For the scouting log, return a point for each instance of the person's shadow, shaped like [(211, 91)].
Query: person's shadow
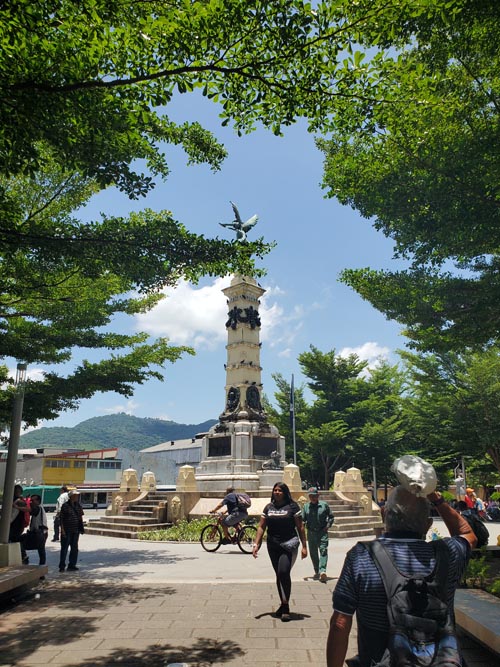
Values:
[(294, 616)]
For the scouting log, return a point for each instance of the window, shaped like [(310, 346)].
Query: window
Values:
[(110, 465), (79, 464), (50, 463), (92, 464)]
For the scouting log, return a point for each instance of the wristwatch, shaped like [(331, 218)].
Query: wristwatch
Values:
[(438, 502)]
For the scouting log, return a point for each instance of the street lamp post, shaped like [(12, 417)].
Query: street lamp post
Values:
[(10, 554)]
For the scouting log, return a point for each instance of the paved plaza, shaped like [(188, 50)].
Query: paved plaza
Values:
[(142, 604)]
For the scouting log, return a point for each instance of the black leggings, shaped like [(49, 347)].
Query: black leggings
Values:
[(282, 562)]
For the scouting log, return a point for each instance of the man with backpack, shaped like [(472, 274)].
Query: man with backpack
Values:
[(402, 619), (237, 510)]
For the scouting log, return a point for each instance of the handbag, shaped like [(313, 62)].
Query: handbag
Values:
[(33, 539), (291, 544)]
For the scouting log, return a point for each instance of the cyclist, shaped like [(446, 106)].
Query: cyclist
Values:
[(235, 513)]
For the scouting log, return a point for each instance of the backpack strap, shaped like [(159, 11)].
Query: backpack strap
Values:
[(390, 575)]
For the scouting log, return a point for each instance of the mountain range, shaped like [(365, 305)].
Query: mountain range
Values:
[(117, 430)]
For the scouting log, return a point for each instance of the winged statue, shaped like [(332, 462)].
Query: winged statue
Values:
[(241, 228)]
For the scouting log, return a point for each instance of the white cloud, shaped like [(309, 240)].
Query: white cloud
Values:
[(128, 407), (195, 316), (189, 315), (370, 352), (35, 374)]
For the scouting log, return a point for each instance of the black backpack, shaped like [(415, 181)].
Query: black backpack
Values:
[(421, 627), (480, 530)]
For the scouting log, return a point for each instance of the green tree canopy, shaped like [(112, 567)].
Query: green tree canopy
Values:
[(422, 163), (356, 414), (454, 404)]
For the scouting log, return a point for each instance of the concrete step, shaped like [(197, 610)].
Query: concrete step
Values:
[(343, 520), (136, 513), (122, 530), (144, 506), (14, 577), (133, 520), (344, 531), (129, 525)]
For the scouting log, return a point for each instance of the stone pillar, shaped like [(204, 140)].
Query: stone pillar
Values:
[(148, 482), (186, 480), (129, 481), (338, 481), (291, 477)]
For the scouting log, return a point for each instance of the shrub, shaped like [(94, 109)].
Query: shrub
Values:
[(184, 531), (476, 572)]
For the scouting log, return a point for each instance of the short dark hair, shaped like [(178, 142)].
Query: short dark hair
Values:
[(64, 488), (35, 495), (230, 489), (461, 505)]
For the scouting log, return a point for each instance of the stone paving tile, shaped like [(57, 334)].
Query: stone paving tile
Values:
[(284, 656), (73, 658)]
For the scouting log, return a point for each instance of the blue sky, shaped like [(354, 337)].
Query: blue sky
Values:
[(279, 179)]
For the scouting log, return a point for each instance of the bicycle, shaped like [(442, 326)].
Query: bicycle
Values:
[(211, 536)]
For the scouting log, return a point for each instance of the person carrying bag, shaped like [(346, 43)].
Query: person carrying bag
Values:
[(36, 535)]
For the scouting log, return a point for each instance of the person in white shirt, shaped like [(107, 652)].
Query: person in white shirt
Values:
[(63, 498)]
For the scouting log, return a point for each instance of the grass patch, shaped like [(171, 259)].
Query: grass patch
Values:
[(184, 531)]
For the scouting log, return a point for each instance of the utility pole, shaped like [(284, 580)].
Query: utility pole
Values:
[(10, 554), (375, 494)]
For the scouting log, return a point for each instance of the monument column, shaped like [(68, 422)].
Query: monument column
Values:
[(235, 451)]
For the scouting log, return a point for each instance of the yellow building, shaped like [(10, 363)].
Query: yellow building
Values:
[(74, 469)]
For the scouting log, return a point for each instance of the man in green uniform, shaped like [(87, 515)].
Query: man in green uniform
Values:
[(318, 517)]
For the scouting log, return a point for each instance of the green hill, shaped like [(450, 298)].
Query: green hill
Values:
[(119, 430)]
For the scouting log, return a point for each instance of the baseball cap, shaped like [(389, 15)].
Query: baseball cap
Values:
[(313, 491)]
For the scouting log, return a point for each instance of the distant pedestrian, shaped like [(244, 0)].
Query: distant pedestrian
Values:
[(285, 531), (63, 498), (317, 517), (469, 498), (19, 511), (71, 529), (36, 536)]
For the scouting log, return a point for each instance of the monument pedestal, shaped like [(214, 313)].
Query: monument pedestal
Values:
[(233, 455), (268, 478)]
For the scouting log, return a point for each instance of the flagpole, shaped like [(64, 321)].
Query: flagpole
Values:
[(292, 420)]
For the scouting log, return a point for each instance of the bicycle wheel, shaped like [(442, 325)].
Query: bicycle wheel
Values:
[(211, 537), (246, 539)]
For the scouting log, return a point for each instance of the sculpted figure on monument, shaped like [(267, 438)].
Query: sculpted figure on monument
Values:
[(241, 228), (274, 463), (233, 398), (253, 398)]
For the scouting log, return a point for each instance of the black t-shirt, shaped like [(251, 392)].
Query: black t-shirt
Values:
[(280, 521)]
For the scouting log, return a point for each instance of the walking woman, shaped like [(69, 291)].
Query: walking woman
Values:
[(285, 531)]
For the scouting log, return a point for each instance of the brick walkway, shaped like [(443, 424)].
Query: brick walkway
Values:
[(105, 625), (138, 626)]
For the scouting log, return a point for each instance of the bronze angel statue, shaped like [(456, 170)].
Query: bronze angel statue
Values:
[(241, 228)]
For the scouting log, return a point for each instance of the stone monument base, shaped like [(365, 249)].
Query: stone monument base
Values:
[(221, 481), (268, 478)]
